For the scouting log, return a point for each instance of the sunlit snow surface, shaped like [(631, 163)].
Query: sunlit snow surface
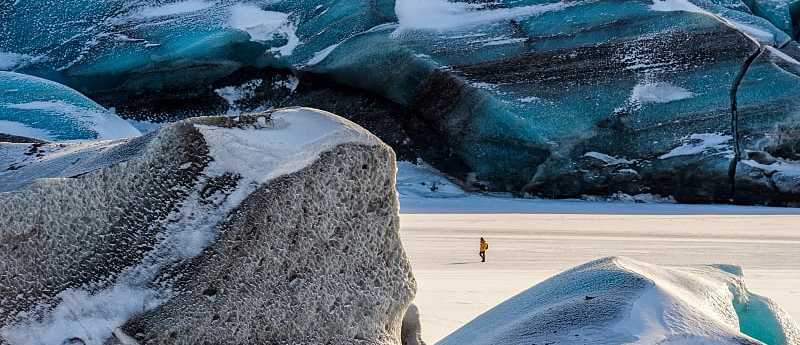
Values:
[(623, 301)]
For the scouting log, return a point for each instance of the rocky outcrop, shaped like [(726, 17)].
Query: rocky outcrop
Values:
[(276, 227)]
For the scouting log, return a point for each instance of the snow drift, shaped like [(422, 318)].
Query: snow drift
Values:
[(272, 228), (623, 301)]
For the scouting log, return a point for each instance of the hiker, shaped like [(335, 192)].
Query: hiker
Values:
[(483, 249)]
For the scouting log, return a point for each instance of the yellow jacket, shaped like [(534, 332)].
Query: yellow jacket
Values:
[(484, 246)]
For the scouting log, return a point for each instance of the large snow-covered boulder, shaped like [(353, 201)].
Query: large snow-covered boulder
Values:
[(623, 301), (270, 228)]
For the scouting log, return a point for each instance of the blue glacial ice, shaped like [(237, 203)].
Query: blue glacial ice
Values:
[(523, 90), (41, 109), (135, 45), (520, 90), (623, 301)]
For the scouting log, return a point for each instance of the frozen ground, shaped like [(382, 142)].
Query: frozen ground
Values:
[(531, 240)]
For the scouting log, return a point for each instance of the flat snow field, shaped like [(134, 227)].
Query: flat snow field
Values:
[(454, 287)]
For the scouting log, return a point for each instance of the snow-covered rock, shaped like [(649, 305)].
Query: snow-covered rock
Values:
[(275, 228), (623, 301)]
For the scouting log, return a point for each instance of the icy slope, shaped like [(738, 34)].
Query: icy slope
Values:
[(212, 229), (623, 301), (42, 109)]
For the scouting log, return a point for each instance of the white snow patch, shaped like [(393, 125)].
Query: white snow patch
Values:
[(641, 204), (698, 143), (778, 166), (628, 171), (503, 41), (294, 139), (10, 61), (697, 302), (445, 15), (321, 55), (530, 99), (646, 320), (784, 175), (172, 9), (145, 126), (782, 55), (233, 94), (658, 92), (676, 5), (609, 160), (759, 35), (90, 317), (20, 129), (484, 85), (422, 180), (291, 84), (264, 26), (620, 197)]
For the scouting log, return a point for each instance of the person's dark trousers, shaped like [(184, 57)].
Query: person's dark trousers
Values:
[(483, 256)]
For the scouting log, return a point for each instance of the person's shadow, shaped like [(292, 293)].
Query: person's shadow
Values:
[(464, 263)]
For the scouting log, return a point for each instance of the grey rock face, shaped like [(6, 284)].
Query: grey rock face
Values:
[(172, 238)]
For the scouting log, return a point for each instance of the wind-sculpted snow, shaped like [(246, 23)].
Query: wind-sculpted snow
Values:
[(518, 91), (623, 301), (42, 109), (273, 228)]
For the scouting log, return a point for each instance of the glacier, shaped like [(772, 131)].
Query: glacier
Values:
[(507, 96), (618, 300)]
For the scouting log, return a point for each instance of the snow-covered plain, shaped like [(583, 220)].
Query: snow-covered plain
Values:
[(532, 240)]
